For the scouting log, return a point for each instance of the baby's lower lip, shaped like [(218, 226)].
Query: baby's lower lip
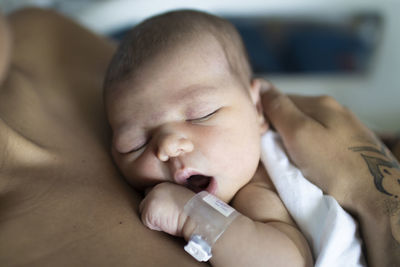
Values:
[(212, 186)]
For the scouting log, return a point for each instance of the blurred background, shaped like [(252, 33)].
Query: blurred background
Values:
[(344, 48)]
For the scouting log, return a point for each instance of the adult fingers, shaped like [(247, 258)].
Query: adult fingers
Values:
[(282, 112), (322, 109)]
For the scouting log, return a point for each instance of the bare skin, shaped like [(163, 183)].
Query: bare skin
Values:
[(347, 161), (63, 201)]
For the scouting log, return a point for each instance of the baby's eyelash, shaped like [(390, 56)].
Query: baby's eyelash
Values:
[(136, 149), (205, 117)]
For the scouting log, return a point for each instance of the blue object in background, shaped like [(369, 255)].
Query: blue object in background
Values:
[(324, 50), (303, 47), (299, 47), (263, 56)]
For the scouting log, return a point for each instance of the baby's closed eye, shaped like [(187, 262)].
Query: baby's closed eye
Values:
[(125, 145), (204, 117), (139, 146)]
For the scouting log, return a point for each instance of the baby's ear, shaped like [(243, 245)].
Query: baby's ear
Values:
[(255, 88)]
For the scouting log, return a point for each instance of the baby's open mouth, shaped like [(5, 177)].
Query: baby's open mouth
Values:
[(198, 182)]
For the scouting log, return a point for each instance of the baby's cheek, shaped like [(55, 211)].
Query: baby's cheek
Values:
[(230, 150), (215, 142), (141, 171)]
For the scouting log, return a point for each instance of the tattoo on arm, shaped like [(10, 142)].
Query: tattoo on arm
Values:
[(385, 170), (381, 165)]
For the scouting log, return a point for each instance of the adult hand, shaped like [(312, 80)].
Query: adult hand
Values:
[(331, 146), (335, 151)]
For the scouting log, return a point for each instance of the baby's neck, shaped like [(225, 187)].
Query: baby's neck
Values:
[(261, 177)]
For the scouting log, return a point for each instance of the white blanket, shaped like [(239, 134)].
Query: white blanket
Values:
[(330, 231)]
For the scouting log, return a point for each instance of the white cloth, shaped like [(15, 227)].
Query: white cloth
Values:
[(330, 231)]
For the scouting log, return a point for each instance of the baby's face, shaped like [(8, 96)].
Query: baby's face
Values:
[(183, 118)]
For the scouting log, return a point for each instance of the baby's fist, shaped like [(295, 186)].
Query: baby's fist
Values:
[(162, 208)]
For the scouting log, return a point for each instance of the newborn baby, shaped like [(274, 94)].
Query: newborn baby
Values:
[(186, 116)]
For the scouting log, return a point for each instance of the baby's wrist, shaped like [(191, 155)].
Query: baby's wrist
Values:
[(207, 219), (188, 228)]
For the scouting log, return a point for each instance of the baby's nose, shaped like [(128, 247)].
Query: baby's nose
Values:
[(173, 145)]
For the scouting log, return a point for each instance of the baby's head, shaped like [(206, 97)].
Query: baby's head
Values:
[(182, 105)]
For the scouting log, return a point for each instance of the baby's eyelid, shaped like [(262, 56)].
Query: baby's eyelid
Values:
[(205, 117), (138, 148)]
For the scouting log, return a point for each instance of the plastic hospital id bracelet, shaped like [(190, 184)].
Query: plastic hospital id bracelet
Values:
[(212, 217)]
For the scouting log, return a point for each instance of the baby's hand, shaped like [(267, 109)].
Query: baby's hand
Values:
[(162, 208)]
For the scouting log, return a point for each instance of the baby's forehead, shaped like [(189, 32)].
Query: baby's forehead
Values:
[(154, 96), (192, 70), (149, 97)]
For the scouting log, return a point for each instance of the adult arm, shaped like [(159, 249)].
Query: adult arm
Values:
[(391, 141), (339, 154)]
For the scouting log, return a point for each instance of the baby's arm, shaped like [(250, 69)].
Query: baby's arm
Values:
[(266, 229), (263, 234)]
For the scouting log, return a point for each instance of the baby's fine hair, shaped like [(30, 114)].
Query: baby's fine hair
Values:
[(156, 34)]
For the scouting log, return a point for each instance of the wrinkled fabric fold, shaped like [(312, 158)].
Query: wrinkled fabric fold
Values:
[(331, 232)]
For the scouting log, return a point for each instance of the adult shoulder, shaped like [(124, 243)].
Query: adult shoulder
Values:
[(62, 199)]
